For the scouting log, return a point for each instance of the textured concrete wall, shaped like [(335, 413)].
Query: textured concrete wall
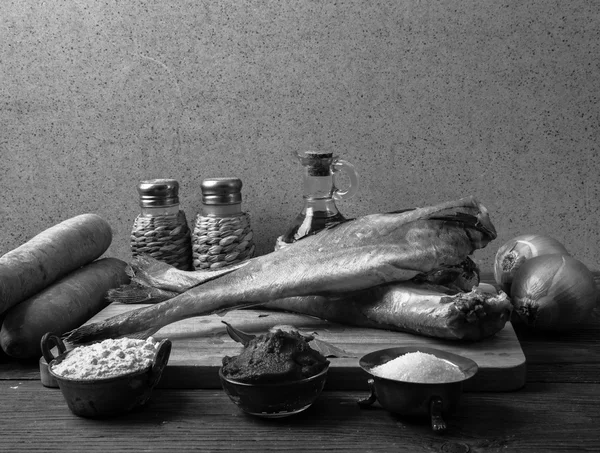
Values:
[(431, 100)]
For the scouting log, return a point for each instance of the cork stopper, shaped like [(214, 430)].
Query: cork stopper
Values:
[(318, 163), (158, 193), (221, 191)]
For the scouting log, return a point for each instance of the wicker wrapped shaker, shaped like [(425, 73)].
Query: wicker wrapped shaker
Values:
[(222, 234), (161, 230)]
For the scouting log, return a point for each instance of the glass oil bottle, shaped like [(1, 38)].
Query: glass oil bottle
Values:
[(319, 193)]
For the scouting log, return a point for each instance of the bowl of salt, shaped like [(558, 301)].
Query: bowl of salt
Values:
[(417, 382)]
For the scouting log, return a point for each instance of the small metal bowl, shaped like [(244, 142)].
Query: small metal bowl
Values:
[(415, 399), (96, 398), (275, 400)]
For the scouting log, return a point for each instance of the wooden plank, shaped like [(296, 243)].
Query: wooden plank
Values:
[(538, 418), (200, 343)]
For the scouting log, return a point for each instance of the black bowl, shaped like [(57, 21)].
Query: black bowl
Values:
[(416, 399), (105, 397), (275, 400)]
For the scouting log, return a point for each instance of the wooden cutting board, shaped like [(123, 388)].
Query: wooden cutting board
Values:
[(200, 343)]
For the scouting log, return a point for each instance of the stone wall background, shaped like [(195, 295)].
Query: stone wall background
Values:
[(429, 100)]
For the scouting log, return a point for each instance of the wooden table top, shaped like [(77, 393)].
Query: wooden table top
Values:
[(557, 410)]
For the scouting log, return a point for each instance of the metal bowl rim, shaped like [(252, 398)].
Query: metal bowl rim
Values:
[(398, 351)]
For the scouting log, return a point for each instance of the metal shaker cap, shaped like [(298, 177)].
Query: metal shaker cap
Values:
[(158, 193), (221, 191)]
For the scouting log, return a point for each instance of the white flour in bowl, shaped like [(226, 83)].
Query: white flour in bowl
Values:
[(108, 358), (419, 367)]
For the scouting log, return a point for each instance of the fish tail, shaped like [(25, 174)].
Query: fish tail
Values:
[(94, 332), (145, 321), (139, 323), (139, 294)]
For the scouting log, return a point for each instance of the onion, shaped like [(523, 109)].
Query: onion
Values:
[(515, 252), (553, 292)]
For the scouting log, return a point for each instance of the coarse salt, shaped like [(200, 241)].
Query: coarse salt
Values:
[(419, 367), (108, 358)]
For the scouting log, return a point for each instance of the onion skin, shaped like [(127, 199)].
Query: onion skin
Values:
[(511, 256), (553, 292)]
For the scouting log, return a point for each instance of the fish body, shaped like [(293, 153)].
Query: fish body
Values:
[(423, 309), (362, 253)]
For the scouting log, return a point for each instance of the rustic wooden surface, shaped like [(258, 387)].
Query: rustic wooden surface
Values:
[(558, 410), (199, 345)]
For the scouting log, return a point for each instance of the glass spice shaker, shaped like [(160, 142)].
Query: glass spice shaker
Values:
[(222, 235), (161, 230), (320, 193)]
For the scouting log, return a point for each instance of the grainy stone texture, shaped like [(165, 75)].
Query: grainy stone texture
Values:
[(430, 100)]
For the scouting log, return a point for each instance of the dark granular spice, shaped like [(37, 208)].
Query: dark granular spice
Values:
[(275, 357)]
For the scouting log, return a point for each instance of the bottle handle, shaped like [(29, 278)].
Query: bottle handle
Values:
[(343, 166)]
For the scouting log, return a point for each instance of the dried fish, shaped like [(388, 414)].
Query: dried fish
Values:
[(358, 254)]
